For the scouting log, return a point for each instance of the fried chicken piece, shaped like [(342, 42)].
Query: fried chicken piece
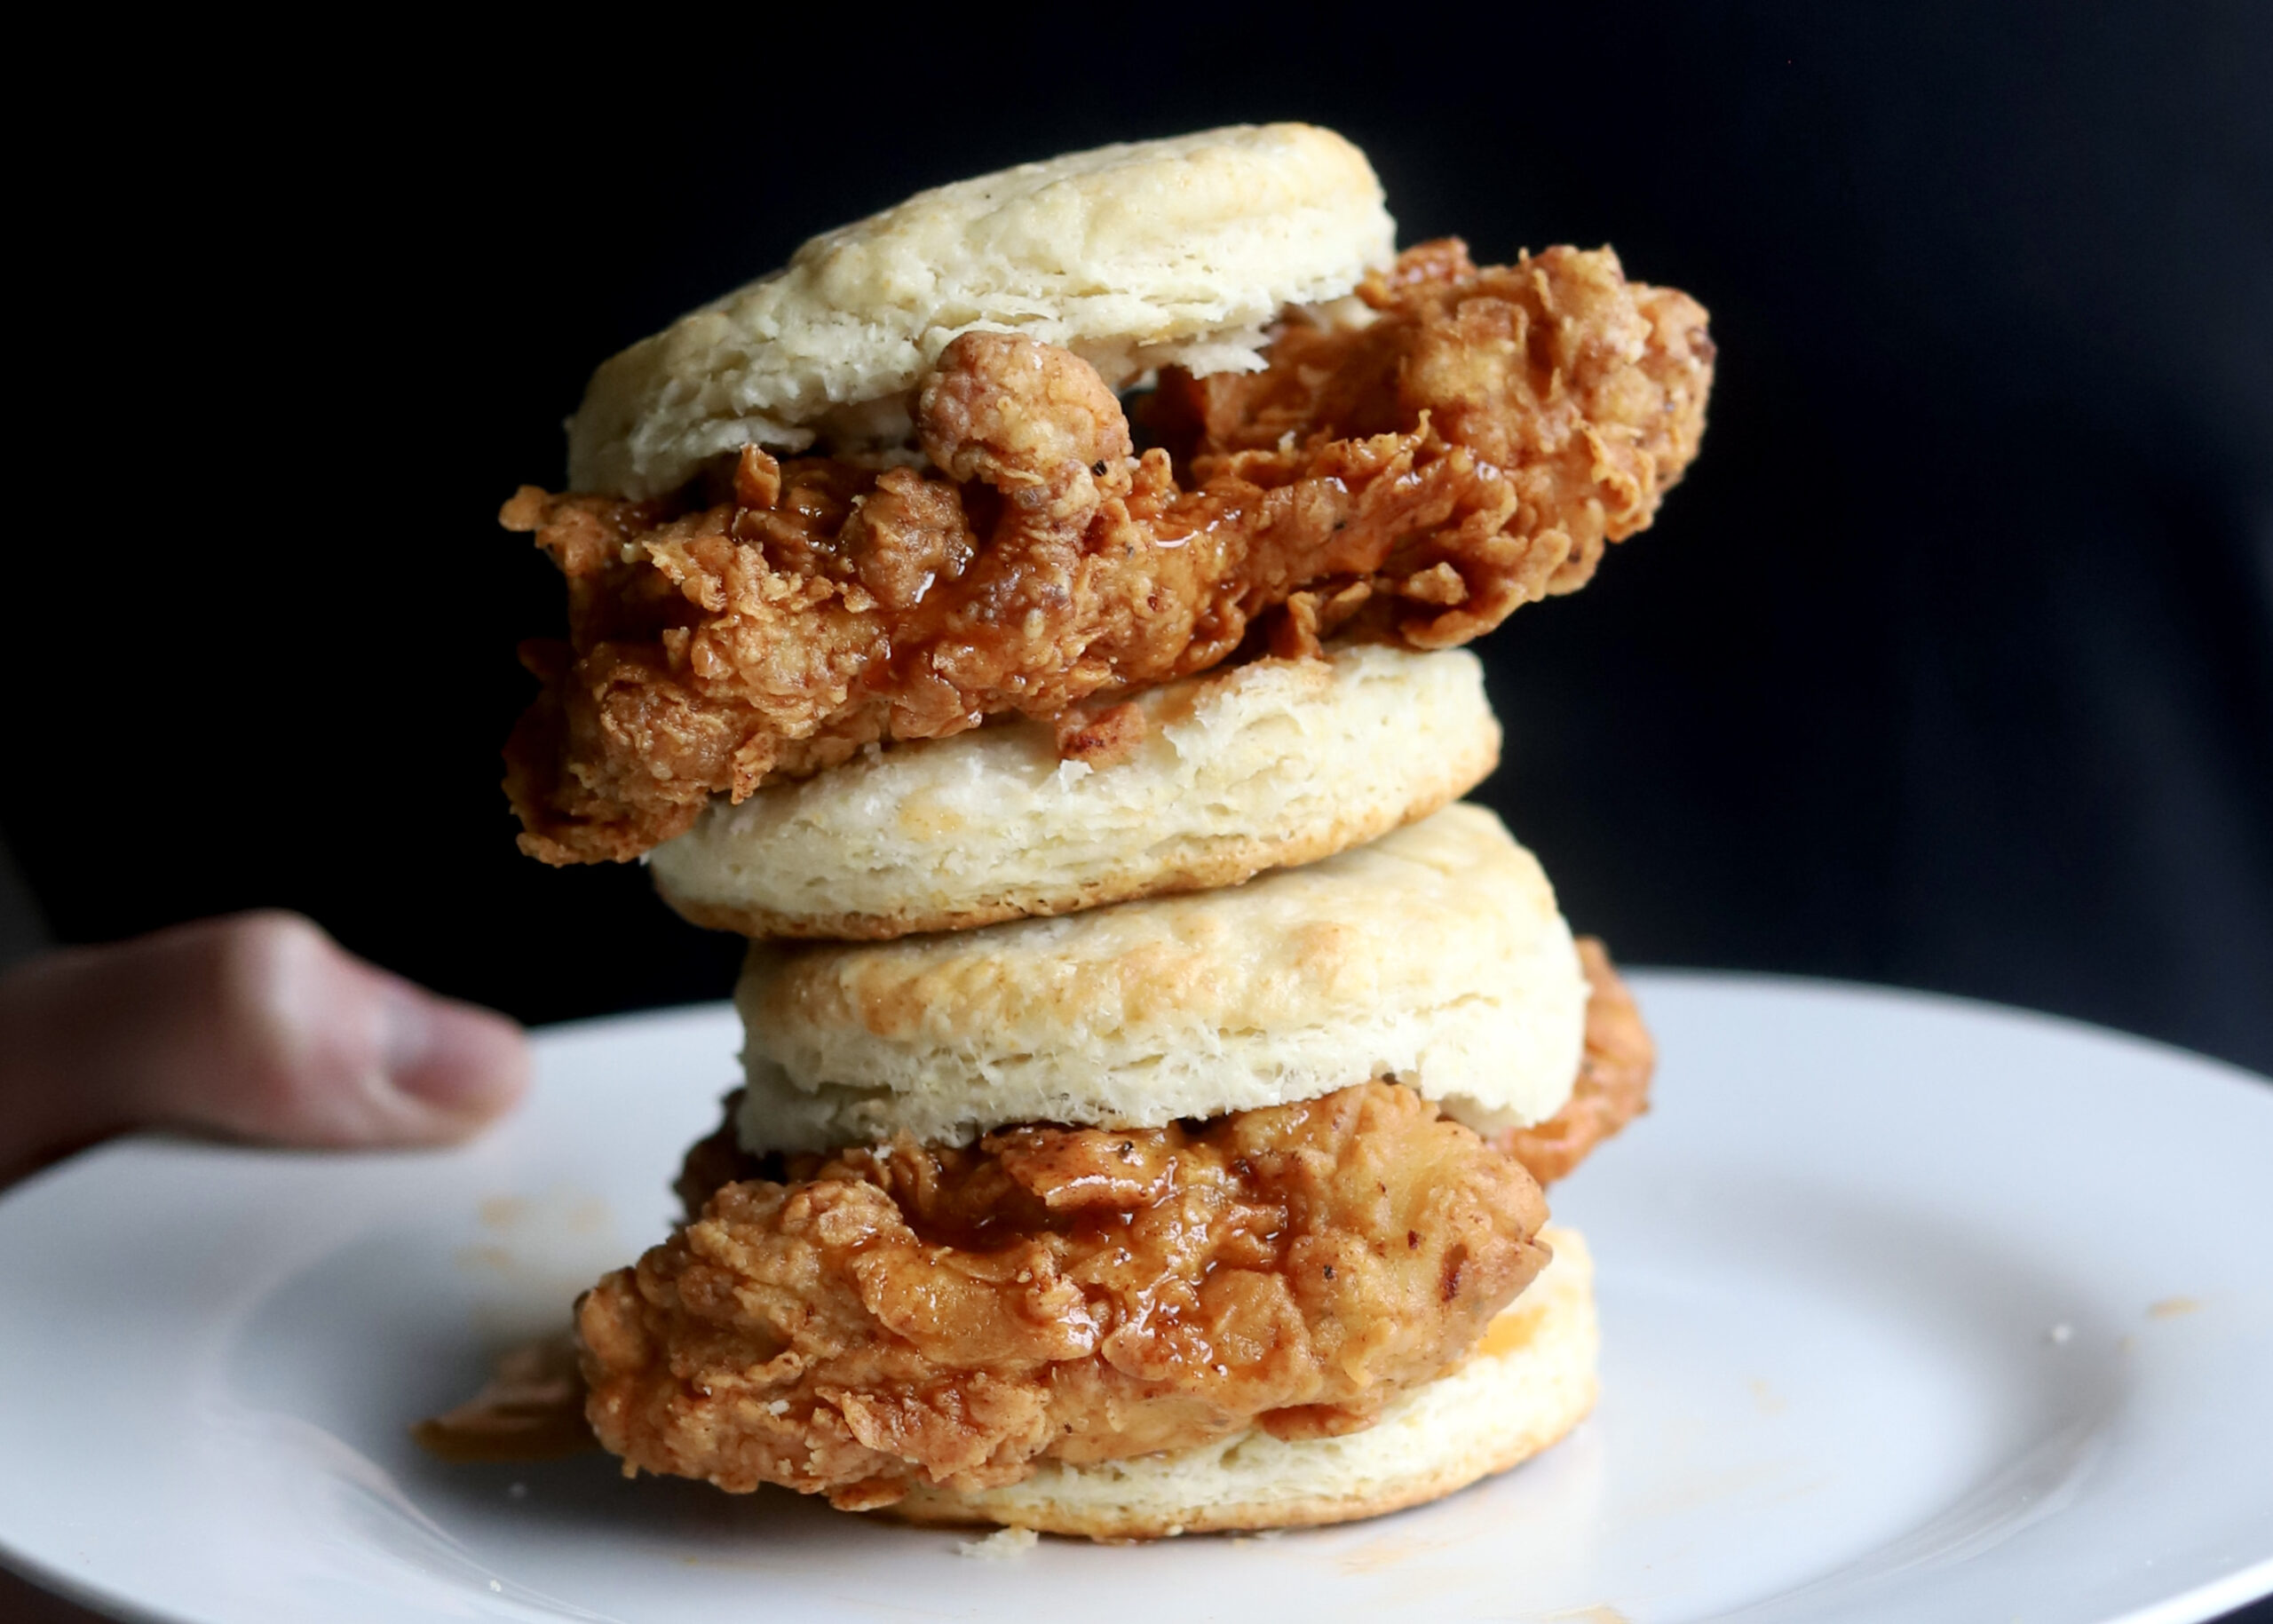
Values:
[(899, 1315), (1468, 445), (1613, 1083)]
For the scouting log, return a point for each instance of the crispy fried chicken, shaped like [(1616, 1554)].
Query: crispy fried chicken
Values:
[(899, 1315), (1462, 442)]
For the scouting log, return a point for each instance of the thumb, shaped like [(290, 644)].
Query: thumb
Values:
[(258, 1027)]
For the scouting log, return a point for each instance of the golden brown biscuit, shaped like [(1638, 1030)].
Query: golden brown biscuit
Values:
[(1434, 955), (1155, 253)]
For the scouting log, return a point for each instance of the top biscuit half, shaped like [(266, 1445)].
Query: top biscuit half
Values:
[(1435, 956), (1133, 257)]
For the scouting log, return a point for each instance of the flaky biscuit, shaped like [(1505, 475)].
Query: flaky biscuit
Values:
[(1529, 1383), (1133, 257), (1266, 764), (1434, 955)]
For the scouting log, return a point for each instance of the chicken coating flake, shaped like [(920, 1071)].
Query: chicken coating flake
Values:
[(1463, 442), (897, 1315)]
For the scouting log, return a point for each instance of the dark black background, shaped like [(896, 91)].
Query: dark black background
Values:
[(1951, 665)]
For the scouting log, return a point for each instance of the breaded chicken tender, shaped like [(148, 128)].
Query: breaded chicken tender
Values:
[(901, 1315), (1455, 444)]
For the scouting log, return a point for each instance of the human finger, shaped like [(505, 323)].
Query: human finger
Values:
[(257, 1026)]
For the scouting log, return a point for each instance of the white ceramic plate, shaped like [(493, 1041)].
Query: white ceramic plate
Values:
[(1911, 1310)]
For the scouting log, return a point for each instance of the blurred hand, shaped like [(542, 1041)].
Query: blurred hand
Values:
[(257, 1026)]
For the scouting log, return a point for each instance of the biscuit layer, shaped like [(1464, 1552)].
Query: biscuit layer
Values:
[(1434, 955), (1133, 257), (1261, 766)]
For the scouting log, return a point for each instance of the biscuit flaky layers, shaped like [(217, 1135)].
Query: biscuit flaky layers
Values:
[(1434, 955), (1134, 257), (1271, 763), (1529, 1381)]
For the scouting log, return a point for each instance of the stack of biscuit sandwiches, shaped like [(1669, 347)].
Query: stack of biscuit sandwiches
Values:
[(1032, 617)]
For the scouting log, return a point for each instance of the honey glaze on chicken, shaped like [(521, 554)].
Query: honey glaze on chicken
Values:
[(894, 1315), (1465, 442)]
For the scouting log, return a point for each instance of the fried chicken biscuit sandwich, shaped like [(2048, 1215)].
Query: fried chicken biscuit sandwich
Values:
[(1032, 617), (891, 495), (1190, 1213)]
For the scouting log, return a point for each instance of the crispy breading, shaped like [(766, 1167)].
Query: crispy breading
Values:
[(897, 1315), (1464, 444)]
